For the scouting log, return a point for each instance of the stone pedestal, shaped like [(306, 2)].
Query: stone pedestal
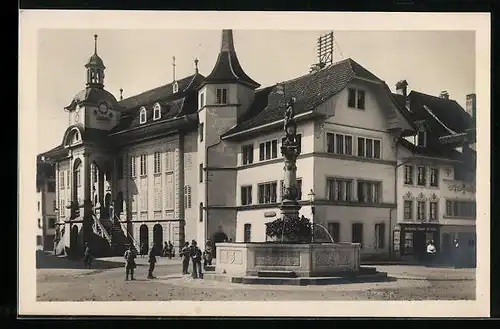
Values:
[(305, 260)]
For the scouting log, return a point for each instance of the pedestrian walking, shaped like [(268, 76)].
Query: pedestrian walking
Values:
[(87, 256), (431, 252), (185, 254), (207, 254), (165, 250), (143, 250), (171, 250), (56, 242), (152, 262), (196, 255), (130, 264)]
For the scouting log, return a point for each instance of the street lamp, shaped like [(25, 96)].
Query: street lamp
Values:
[(311, 196)]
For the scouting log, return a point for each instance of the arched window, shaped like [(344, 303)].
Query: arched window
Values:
[(142, 115), (157, 239), (157, 112), (175, 87), (143, 239)]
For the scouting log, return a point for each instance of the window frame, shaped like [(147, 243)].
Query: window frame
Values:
[(335, 232), (222, 98), (421, 212), (334, 149), (157, 162), (247, 157), (247, 227), (143, 165), (263, 155), (273, 198), (411, 174), (143, 115), (133, 166), (156, 112), (332, 190), (248, 200), (408, 203), (436, 177), (353, 238), (422, 182)]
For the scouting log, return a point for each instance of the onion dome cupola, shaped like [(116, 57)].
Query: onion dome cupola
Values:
[(95, 69), (227, 69)]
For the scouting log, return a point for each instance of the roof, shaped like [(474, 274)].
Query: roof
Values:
[(93, 95), (95, 60), (432, 150), (309, 91), (227, 69), (438, 113), (160, 93)]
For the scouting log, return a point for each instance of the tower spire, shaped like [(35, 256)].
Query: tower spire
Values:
[(95, 69), (196, 65), (95, 44)]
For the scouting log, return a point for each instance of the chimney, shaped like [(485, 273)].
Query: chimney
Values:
[(444, 94), (470, 105), (402, 88)]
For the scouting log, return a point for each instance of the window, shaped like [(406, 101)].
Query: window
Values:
[(54, 205), (133, 171), (298, 186), (298, 138), (247, 154), (61, 180), (408, 243), (38, 204), (95, 173), (156, 112), (201, 131), (351, 97), (268, 150), (200, 172), (221, 96), (267, 193), (409, 174), (334, 231), (455, 208), (119, 167), (339, 143), (68, 179), (144, 165), (357, 233), (51, 187), (380, 236), (356, 98), (38, 240), (421, 176), (408, 209), (421, 136), (369, 148), (247, 233), (434, 177), (78, 177), (369, 192), (339, 189), (433, 211), (39, 223), (157, 162), (52, 223), (142, 115), (202, 100), (420, 210), (361, 99), (246, 195), (62, 211), (187, 196)]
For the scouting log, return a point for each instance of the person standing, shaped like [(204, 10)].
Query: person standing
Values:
[(196, 259), (130, 264), (431, 252), (152, 262), (165, 250), (87, 256), (185, 254), (56, 242), (171, 252), (207, 254)]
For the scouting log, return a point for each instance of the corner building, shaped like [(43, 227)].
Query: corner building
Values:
[(201, 155)]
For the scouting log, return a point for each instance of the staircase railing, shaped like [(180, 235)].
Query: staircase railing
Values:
[(127, 233), (99, 227)]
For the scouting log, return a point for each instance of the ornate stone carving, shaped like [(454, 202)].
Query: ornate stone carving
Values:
[(421, 197), (231, 257), (336, 258), (408, 196), (281, 258), (464, 188), (433, 197)]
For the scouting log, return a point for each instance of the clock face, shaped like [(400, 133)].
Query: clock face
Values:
[(103, 108)]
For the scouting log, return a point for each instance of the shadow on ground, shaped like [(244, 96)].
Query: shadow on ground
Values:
[(45, 259)]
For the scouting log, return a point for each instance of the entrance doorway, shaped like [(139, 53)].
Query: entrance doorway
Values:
[(73, 239), (157, 239), (143, 239), (419, 245)]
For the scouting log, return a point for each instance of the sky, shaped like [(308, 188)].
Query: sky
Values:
[(139, 60)]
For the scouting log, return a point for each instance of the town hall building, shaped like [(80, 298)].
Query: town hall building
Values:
[(200, 156)]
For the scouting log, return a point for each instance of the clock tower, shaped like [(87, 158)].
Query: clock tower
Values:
[(94, 107)]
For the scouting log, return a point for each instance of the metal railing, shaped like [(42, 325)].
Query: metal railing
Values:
[(99, 227), (127, 234)]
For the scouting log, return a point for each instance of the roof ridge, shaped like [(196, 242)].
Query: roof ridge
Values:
[(441, 98)]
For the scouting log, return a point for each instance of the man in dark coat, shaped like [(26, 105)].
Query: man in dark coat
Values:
[(196, 255), (185, 254), (87, 257), (152, 262)]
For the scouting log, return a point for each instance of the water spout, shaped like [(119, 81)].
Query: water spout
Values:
[(315, 224)]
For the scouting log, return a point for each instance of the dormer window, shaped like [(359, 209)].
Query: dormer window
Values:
[(157, 112), (175, 87), (421, 138), (142, 115), (221, 94)]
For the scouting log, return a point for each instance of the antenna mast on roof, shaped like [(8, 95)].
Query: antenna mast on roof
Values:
[(325, 49)]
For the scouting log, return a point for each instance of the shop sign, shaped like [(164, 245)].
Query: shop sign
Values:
[(470, 188), (420, 228), (270, 214)]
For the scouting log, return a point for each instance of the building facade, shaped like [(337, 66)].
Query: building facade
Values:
[(46, 205), (200, 157)]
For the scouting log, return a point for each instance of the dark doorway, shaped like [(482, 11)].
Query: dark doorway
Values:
[(143, 239), (157, 239), (119, 203), (73, 239), (419, 245), (447, 244)]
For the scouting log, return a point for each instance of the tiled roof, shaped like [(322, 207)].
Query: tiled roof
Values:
[(94, 96), (309, 91), (447, 111), (432, 150), (227, 69), (148, 98)]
